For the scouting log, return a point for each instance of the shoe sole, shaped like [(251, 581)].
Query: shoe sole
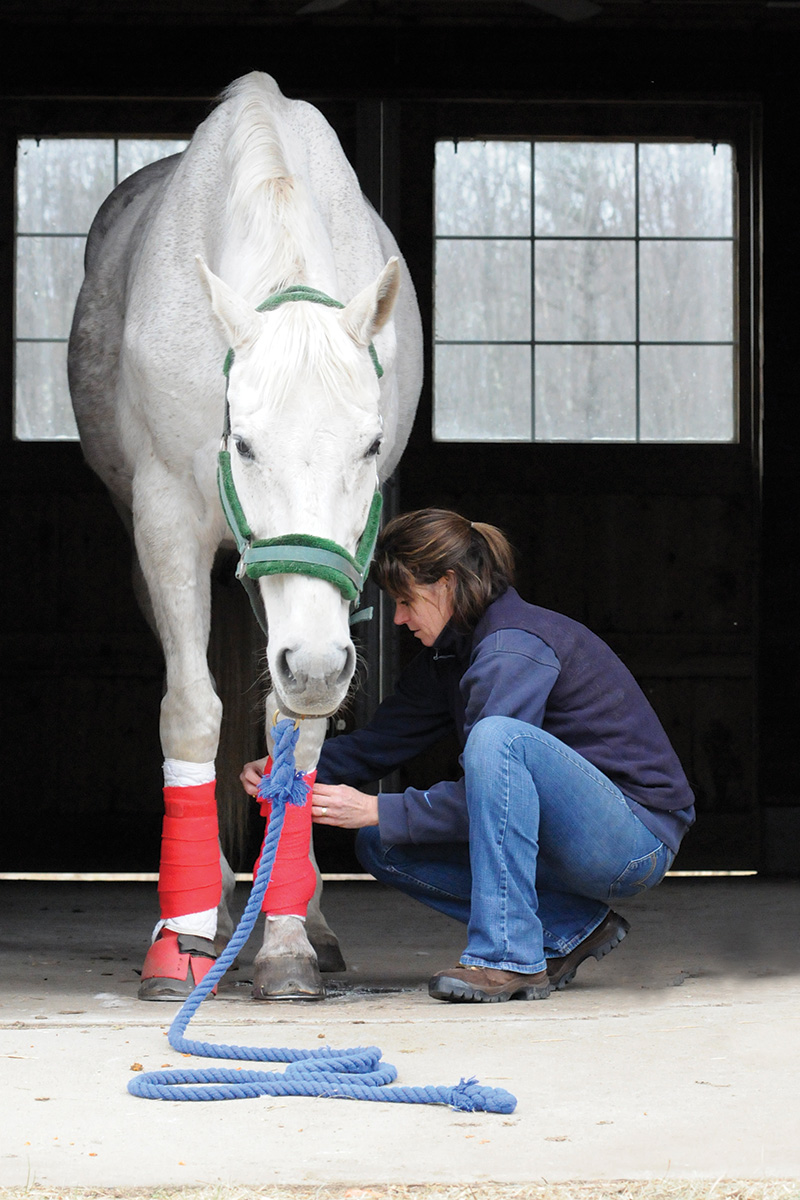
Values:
[(597, 953), (456, 990)]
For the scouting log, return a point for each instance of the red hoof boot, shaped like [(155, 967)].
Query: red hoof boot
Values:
[(175, 964)]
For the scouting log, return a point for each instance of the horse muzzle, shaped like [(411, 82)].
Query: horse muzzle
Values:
[(309, 682)]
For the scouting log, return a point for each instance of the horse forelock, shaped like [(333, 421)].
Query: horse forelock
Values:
[(303, 350), (269, 217)]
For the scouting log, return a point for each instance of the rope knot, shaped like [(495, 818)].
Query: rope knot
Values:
[(284, 783), (469, 1096), (463, 1095)]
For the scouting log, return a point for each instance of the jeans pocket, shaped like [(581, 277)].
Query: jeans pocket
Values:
[(642, 873)]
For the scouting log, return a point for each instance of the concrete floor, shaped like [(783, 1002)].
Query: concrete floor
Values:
[(677, 1056)]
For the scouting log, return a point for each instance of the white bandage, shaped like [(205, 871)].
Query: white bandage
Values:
[(200, 924), (178, 773)]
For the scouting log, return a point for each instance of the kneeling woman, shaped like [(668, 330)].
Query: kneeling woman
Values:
[(572, 796)]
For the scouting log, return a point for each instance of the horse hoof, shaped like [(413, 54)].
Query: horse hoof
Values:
[(174, 990), (174, 966), (329, 956), (287, 979)]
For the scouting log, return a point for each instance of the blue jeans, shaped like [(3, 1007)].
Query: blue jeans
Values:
[(552, 842)]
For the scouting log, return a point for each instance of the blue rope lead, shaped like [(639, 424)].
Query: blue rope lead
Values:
[(356, 1074)]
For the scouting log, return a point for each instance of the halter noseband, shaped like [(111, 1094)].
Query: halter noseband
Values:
[(294, 553)]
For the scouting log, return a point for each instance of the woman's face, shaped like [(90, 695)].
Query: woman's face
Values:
[(426, 611)]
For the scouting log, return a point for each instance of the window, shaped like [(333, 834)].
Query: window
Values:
[(61, 183), (584, 291)]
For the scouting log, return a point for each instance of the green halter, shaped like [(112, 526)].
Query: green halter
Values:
[(294, 553)]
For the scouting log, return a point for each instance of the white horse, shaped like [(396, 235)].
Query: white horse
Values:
[(265, 196)]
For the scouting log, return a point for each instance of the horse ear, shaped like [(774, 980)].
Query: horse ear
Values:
[(238, 319), (370, 310)]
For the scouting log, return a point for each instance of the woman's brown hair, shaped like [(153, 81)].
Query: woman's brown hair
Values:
[(421, 547)]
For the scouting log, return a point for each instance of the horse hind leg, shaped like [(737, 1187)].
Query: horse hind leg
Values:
[(225, 929), (319, 933)]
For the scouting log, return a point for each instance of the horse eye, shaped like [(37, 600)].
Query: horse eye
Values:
[(243, 448), (375, 448)]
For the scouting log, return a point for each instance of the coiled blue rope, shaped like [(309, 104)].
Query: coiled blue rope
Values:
[(355, 1074)]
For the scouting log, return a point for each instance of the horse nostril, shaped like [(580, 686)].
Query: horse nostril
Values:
[(282, 664), (349, 665)]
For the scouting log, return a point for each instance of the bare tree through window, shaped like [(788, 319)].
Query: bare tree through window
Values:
[(584, 291), (61, 183)]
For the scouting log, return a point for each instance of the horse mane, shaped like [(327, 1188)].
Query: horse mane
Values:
[(271, 228), (267, 209)]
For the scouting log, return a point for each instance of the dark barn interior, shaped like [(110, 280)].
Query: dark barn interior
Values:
[(682, 556)]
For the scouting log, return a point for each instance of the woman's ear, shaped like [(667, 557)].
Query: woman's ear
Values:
[(446, 592)]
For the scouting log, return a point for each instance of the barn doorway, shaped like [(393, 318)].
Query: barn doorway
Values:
[(653, 544)]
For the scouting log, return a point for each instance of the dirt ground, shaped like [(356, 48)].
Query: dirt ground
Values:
[(616, 1189)]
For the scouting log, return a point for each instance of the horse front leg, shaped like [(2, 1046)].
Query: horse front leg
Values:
[(294, 952), (286, 966), (176, 568)]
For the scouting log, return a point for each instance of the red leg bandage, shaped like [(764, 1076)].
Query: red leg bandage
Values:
[(190, 876), (293, 878)]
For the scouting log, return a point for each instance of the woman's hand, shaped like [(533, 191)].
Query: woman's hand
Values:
[(337, 804), (331, 804), (251, 775)]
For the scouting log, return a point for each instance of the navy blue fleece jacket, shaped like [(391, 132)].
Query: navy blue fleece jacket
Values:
[(538, 666)]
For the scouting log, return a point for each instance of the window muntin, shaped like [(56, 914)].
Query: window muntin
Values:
[(584, 291), (61, 183)]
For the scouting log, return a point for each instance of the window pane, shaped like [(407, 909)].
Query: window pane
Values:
[(686, 394), (585, 291), (585, 393), (585, 189), (49, 274), (42, 407), (686, 191), (686, 291), (62, 183), (483, 188), (135, 153), (483, 393), (616, 261), (483, 290)]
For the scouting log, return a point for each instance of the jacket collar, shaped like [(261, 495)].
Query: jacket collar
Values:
[(452, 644)]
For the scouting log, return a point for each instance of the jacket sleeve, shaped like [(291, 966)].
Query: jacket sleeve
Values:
[(511, 674), (413, 718)]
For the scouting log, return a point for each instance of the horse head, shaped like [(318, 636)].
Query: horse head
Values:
[(303, 436)]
